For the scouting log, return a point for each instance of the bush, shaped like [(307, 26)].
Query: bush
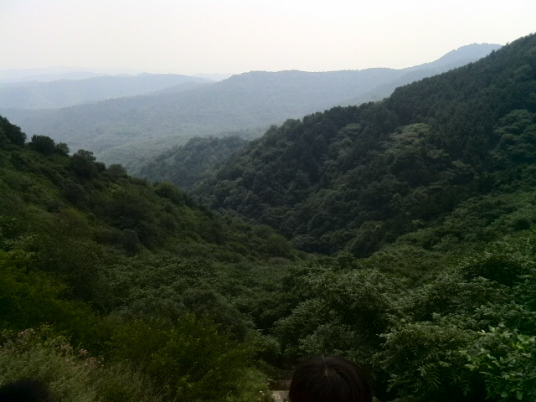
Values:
[(71, 374), (74, 192), (507, 361), (503, 268), (422, 360), (192, 361), (30, 299)]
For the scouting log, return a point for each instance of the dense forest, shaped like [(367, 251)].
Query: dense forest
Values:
[(186, 165), (120, 278), (410, 248), (355, 178)]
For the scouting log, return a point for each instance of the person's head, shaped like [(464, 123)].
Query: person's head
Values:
[(329, 378), (25, 390)]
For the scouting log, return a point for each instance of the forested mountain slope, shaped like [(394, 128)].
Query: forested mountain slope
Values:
[(106, 280), (63, 93), (112, 288), (186, 165), (250, 100), (357, 177)]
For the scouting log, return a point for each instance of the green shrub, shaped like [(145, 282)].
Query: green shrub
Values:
[(507, 361), (192, 361), (422, 360), (71, 374)]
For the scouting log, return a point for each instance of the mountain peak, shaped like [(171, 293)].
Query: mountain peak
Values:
[(473, 51)]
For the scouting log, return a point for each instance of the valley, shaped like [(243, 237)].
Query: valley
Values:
[(398, 232)]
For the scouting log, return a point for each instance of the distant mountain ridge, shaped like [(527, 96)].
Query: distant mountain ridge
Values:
[(250, 100), (65, 93), (453, 59), (48, 74)]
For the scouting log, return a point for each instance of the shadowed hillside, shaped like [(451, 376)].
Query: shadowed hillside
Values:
[(356, 177)]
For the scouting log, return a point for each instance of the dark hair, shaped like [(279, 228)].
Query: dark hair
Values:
[(329, 378), (25, 390)]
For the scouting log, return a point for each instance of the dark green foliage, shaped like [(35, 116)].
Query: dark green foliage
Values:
[(83, 164), (10, 134), (186, 165), (117, 170), (517, 133), (423, 362), (356, 178), (502, 269), (74, 192), (32, 298), (46, 145), (43, 144), (130, 241), (69, 372), (190, 361), (172, 193), (507, 361), (90, 251), (62, 148)]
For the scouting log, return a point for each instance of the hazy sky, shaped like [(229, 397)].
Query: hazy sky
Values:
[(234, 36)]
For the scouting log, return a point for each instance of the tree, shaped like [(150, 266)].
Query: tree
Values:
[(11, 132), (83, 163), (117, 170), (43, 144), (62, 148)]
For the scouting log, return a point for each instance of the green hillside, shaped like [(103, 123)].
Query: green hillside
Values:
[(358, 177), (433, 190), (94, 260), (184, 166)]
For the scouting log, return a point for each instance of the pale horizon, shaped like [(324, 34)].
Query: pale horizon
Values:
[(227, 37)]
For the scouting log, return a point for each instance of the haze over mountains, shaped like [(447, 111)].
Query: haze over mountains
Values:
[(69, 92), (48, 74), (126, 130)]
